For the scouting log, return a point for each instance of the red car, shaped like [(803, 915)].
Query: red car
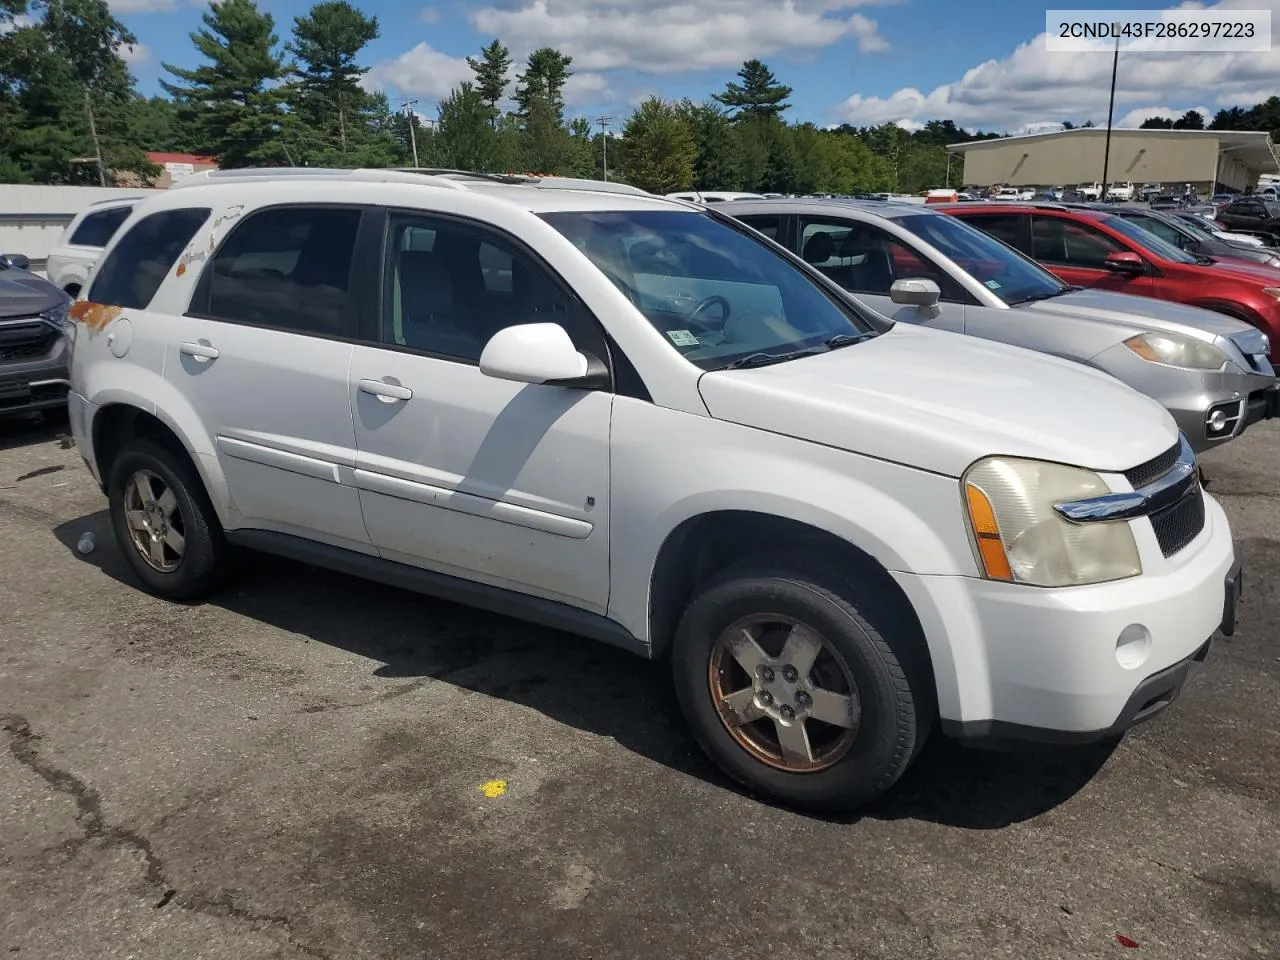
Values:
[(1093, 248)]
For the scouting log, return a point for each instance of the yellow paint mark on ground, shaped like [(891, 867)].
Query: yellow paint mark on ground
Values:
[(493, 788)]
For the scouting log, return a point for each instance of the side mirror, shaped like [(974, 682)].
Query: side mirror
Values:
[(18, 260), (1125, 261), (916, 292), (540, 353)]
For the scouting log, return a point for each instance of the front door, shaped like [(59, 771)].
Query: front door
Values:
[(501, 482), (262, 356), (866, 261), (1077, 254)]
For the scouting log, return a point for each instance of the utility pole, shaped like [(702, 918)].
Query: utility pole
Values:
[(93, 132), (604, 142), (413, 132), (1111, 109)]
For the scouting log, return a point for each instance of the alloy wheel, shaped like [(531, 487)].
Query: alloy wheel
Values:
[(155, 523), (784, 693)]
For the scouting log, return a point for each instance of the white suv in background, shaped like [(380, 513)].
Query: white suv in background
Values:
[(81, 244), (634, 419)]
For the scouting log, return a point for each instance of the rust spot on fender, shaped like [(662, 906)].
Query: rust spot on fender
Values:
[(95, 316), (182, 268)]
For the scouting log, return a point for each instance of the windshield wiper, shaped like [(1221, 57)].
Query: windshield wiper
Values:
[(764, 359), (1033, 297), (844, 339)]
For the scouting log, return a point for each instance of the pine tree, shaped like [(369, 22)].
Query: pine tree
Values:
[(543, 80), (326, 94), (491, 75), (759, 95), (660, 148), (236, 116)]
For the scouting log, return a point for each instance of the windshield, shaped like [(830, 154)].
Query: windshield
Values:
[(1002, 270), (716, 293), (1161, 248)]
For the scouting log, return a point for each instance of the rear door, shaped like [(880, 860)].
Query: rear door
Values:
[(866, 260), (71, 263), (262, 356), (1077, 253)]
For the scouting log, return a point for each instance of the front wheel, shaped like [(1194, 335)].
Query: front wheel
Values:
[(164, 522), (802, 687)]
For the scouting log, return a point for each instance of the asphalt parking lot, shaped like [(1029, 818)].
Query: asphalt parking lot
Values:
[(298, 769)]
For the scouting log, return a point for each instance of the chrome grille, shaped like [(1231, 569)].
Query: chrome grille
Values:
[(1153, 469), (1180, 523)]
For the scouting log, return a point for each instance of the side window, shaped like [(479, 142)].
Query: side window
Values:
[(1055, 240), (135, 268), (1009, 229), (1162, 230), (97, 229), (285, 267), (771, 227), (865, 259), (449, 298)]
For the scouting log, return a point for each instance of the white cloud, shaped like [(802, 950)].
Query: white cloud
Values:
[(1032, 86), (1135, 117), (585, 89), (659, 36), (422, 71), (135, 55), (16, 23)]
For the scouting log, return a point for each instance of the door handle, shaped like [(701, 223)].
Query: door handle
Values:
[(200, 352), (386, 392)]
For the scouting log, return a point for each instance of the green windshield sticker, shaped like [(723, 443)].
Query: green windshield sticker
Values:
[(993, 284), (682, 338)]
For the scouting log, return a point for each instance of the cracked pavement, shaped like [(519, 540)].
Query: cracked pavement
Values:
[(294, 769)]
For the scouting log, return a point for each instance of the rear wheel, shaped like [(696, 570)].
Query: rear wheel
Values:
[(801, 686), (164, 522)]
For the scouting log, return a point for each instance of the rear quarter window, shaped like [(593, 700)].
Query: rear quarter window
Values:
[(97, 229), (134, 269)]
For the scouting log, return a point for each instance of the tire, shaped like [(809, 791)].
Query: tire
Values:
[(199, 568), (876, 648)]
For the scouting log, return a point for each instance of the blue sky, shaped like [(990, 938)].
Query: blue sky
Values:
[(981, 63)]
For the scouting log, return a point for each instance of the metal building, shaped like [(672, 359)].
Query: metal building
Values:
[(1209, 160)]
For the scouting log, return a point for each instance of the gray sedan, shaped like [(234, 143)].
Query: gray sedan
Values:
[(912, 264)]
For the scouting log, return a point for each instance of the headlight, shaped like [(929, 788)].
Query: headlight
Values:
[(58, 316), (1022, 539), (1174, 350)]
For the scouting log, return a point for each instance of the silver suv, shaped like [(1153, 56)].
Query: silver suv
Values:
[(1212, 372)]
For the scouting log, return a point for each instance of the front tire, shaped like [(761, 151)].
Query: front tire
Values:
[(164, 523), (801, 685)]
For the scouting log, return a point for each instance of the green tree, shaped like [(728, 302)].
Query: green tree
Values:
[(660, 148), (1191, 120), (491, 75), (230, 102), (543, 81), (467, 140), (758, 95), (1156, 123), (717, 165), (325, 94)]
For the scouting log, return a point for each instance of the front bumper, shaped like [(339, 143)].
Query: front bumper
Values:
[(36, 384), (1063, 665)]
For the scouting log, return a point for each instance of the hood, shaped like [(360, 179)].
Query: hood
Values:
[(939, 401), (1259, 273), (1139, 313), (24, 294)]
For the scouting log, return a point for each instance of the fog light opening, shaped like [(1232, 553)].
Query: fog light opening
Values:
[(1133, 646), (1221, 420)]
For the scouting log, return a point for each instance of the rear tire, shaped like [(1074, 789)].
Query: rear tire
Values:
[(164, 522), (871, 663)]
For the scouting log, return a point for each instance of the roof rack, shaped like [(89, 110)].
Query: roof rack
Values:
[(315, 173), (427, 176)]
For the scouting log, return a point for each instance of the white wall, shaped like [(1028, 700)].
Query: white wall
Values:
[(32, 218)]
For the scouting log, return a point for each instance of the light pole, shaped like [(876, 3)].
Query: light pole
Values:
[(604, 142), (413, 133), (1111, 109)]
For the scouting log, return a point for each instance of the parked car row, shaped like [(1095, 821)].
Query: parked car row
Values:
[(772, 461)]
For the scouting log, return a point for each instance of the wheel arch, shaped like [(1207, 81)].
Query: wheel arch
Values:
[(704, 544)]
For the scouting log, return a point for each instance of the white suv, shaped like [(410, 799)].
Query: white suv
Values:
[(634, 419), (72, 261)]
